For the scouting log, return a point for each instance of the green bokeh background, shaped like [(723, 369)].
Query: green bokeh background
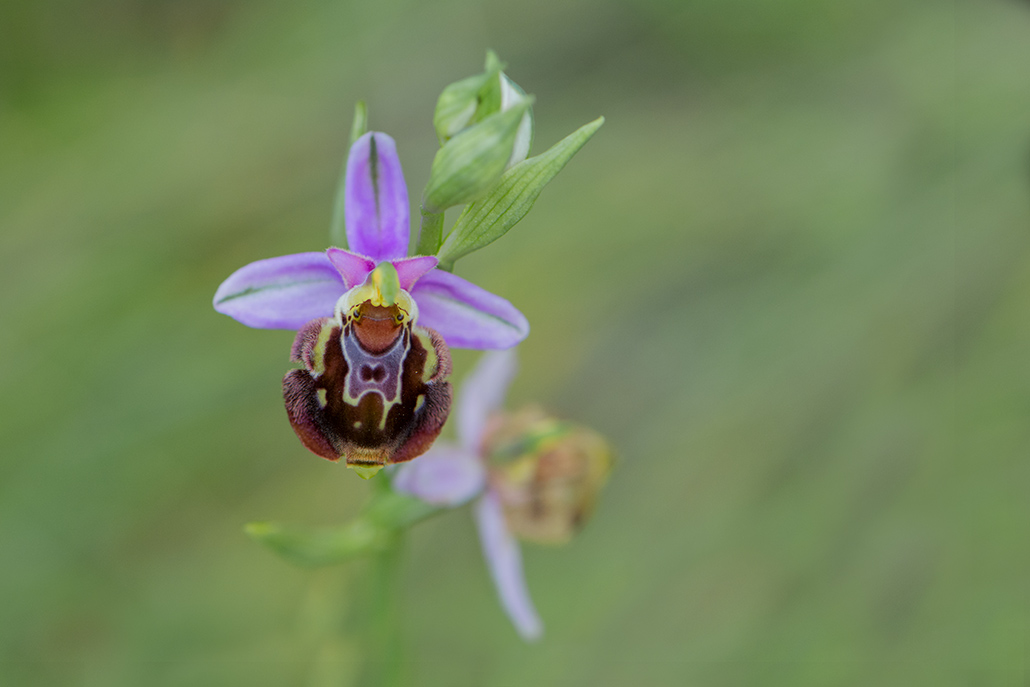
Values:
[(788, 278)]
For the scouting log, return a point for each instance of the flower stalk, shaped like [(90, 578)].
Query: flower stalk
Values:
[(382, 663), (383, 653)]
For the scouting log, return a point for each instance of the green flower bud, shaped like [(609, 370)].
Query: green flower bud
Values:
[(461, 102), (467, 102), (489, 218), (472, 162)]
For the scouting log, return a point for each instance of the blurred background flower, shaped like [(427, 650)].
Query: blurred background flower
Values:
[(788, 279)]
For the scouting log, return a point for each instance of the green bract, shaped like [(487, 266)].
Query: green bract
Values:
[(359, 127), (488, 218), (376, 529), (465, 102)]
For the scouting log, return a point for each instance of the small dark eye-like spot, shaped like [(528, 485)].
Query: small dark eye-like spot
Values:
[(372, 373)]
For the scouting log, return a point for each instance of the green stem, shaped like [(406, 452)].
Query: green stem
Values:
[(383, 651), (322, 612), (376, 536), (430, 235)]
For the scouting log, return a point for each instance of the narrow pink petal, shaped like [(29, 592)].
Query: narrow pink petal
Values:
[(351, 266), (482, 395), (281, 293), (466, 315), (410, 270), (504, 560), (376, 210), (444, 476)]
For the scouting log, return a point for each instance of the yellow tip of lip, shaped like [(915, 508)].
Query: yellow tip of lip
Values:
[(366, 471)]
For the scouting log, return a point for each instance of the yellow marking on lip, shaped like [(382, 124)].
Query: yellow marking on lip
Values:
[(432, 360), (322, 400), (318, 350)]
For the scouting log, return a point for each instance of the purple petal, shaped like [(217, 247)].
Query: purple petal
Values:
[(410, 270), (281, 293), (482, 394), (505, 563), (445, 476), (466, 315), (351, 266), (376, 199)]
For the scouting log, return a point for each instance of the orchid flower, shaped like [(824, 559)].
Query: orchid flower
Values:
[(373, 324), (543, 493)]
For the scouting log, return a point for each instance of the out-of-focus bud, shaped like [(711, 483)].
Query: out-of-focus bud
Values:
[(464, 107), (467, 102), (548, 473)]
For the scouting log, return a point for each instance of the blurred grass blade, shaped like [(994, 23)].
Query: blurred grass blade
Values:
[(490, 217)]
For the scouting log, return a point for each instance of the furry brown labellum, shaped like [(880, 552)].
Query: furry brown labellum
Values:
[(373, 389)]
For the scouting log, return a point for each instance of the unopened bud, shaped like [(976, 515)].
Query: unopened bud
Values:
[(467, 103), (471, 163)]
